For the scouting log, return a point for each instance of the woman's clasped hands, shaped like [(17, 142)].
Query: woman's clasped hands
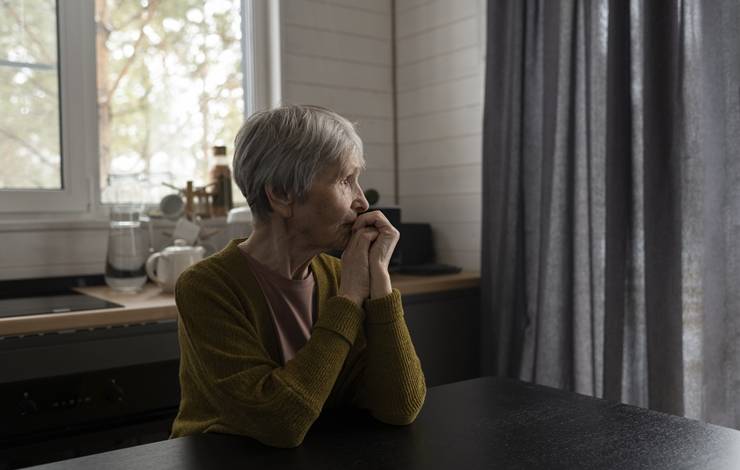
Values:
[(366, 258)]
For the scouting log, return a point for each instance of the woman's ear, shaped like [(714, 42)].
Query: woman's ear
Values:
[(281, 204)]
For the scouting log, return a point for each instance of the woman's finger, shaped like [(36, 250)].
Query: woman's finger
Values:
[(363, 237), (367, 236), (373, 218)]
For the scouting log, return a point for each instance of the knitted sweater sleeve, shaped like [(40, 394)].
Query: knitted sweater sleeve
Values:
[(391, 385), (251, 394)]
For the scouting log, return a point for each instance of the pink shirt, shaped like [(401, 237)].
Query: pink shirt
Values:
[(292, 304)]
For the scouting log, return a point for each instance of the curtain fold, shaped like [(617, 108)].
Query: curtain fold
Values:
[(611, 201)]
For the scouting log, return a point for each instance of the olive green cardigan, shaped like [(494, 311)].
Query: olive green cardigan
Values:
[(231, 378)]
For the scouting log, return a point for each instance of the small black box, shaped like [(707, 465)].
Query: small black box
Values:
[(417, 244), (419, 258)]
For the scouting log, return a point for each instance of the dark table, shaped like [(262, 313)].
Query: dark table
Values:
[(481, 423)]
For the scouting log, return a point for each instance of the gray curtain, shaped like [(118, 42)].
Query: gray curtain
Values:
[(611, 201)]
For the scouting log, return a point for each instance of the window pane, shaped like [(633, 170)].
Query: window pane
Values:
[(28, 31), (169, 88), (30, 155)]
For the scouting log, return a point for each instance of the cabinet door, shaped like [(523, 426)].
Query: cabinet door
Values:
[(445, 329)]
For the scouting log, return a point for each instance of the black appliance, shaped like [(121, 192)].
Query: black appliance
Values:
[(72, 393), (418, 247), (65, 395), (419, 257), (67, 301), (49, 295)]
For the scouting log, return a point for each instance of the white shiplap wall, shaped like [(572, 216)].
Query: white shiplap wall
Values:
[(338, 53), (440, 63)]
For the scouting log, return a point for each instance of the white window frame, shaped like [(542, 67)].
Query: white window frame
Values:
[(74, 104), (79, 198)]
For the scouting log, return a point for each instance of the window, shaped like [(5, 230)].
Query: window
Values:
[(169, 88), (110, 100), (30, 155)]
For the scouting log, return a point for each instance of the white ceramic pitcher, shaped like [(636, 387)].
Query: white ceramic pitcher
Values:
[(166, 266)]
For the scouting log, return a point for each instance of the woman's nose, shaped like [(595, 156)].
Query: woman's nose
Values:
[(360, 203)]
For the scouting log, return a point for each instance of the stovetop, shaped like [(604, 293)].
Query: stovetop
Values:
[(66, 302), (49, 295)]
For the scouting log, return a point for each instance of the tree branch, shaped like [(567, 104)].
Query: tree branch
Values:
[(27, 145), (146, 18), (128, 21), (130, 110), (46, 58)]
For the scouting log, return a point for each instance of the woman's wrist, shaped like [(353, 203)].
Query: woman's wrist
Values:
[(380, 282), (352, 298)]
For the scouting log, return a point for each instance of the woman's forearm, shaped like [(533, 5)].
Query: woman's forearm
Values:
[(393, 382)]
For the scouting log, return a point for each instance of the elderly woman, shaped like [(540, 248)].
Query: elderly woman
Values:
[(272, 330)]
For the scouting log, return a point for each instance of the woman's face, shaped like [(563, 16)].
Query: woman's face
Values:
[(324, 220)]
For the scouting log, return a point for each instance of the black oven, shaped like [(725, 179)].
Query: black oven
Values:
[(74, 393)]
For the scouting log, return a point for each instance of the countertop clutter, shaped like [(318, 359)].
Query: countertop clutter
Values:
[(151, 305)]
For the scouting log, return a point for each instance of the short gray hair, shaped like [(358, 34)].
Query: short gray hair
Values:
[(287, 147)]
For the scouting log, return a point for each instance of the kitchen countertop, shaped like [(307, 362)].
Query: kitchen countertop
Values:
[(152, 305)]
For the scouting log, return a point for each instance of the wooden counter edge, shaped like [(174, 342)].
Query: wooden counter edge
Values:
[(150, 305)]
